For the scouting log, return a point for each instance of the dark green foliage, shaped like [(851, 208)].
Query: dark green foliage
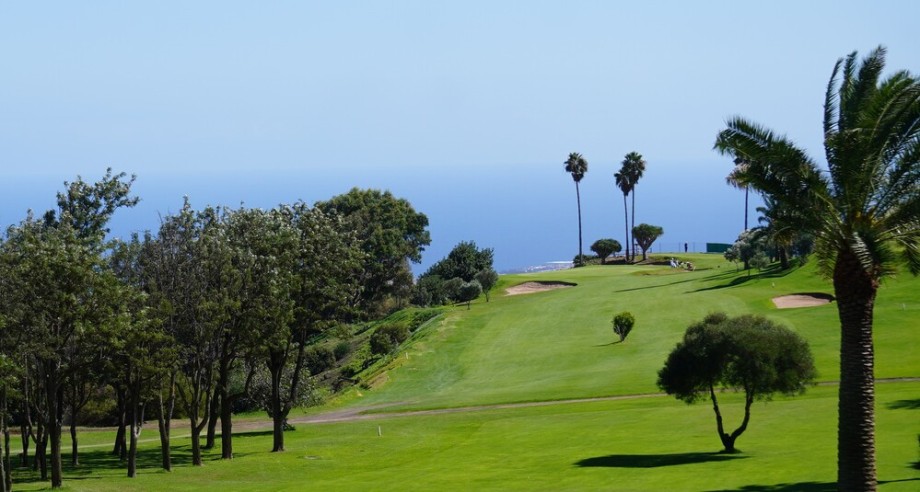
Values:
[(623, 324), (487, 278), (605, 247), (645, 235), (469, 291), (391, 233), (341, 350), (319, 359), (464, 262), (748, 353), (387, 337), (451, 288)]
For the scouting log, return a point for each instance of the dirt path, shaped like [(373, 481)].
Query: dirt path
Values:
[(355, 414)]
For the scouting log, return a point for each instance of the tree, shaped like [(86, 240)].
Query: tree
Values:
[(390, 232), (623, 324), (469, 291), (634, 168), (62, 289), (736, 179), (605, 247), (577, 166), (748, 353), (622, 180), (645, 235), (464, 261), (864, 213), (487, 278)]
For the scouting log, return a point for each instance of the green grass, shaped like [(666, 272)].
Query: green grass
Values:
[(558, 345)]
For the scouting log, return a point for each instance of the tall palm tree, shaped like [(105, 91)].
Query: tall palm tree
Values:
[(864, 211), (734, 178), (623, 183), (635, 168), (577, 166)]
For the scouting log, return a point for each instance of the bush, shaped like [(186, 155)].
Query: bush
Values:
[(319, 359), (623, 324), (387, 337), (341, 349)]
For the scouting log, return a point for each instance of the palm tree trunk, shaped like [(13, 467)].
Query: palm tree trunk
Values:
[(746, 189), (634, 223), (578, 197), (626, 220), (855, 290)]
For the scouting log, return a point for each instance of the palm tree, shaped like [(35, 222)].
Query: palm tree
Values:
[(622, 181), (864, 211), (734, 178), (577, 166), (635, 168)]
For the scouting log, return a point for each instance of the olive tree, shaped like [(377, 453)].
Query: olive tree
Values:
[(747, 353)]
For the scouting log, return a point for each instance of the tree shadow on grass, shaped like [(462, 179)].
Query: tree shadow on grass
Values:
[(101, 464), (802, 486), (772, 272), (654, 460), (905, 405), (609, 344)]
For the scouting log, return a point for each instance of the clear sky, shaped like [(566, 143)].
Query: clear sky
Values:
[(466, 109)]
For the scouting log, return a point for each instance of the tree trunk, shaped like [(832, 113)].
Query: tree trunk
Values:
[(196, 442), (5, 478), (633, 209), (578, 198), (226, 428), (137, 422), (855, 290), (746, 190), (118, 449), (213, 415), (626, 221), (164, 421), (783, 257), (277, 417), (74, 450), (54, 427)]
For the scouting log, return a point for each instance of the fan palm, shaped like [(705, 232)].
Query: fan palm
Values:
[(864, 212), (634, 166), (577, 166)]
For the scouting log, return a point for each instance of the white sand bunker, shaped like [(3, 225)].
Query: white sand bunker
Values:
[(802, 300), (531, 287)]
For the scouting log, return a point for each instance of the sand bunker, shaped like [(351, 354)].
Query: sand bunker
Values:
[(531, 287), (802, 300)]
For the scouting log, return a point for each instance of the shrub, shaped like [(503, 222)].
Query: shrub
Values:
[(387, 337), (341, 349), (623, 324), (319, 359)]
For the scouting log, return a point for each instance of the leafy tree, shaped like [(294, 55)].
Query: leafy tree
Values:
[(605, 247), (487, 278), (386, 338), (62, 288), (623, 324), (390, 232), (634, 167), (747, 353), (577, 166), (464, 261), (451, 288), (469, 291), (864, 214), (760, 261), (645, 235)]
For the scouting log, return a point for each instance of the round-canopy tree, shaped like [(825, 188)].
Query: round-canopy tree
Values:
[(645, 235), (747, 353), (606, 247)]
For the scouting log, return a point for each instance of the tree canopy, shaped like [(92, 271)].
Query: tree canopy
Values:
[(747, 353)]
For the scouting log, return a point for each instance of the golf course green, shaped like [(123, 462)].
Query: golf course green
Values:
[(535, 392)]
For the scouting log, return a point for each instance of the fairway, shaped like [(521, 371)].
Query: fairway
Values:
[(552, 347)]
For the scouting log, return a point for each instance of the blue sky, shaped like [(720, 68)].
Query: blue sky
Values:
[(466, 109)]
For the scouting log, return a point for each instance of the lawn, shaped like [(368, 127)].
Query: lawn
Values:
[(554, 346)]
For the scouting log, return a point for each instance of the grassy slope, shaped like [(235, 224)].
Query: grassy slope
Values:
[(557, 345)]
